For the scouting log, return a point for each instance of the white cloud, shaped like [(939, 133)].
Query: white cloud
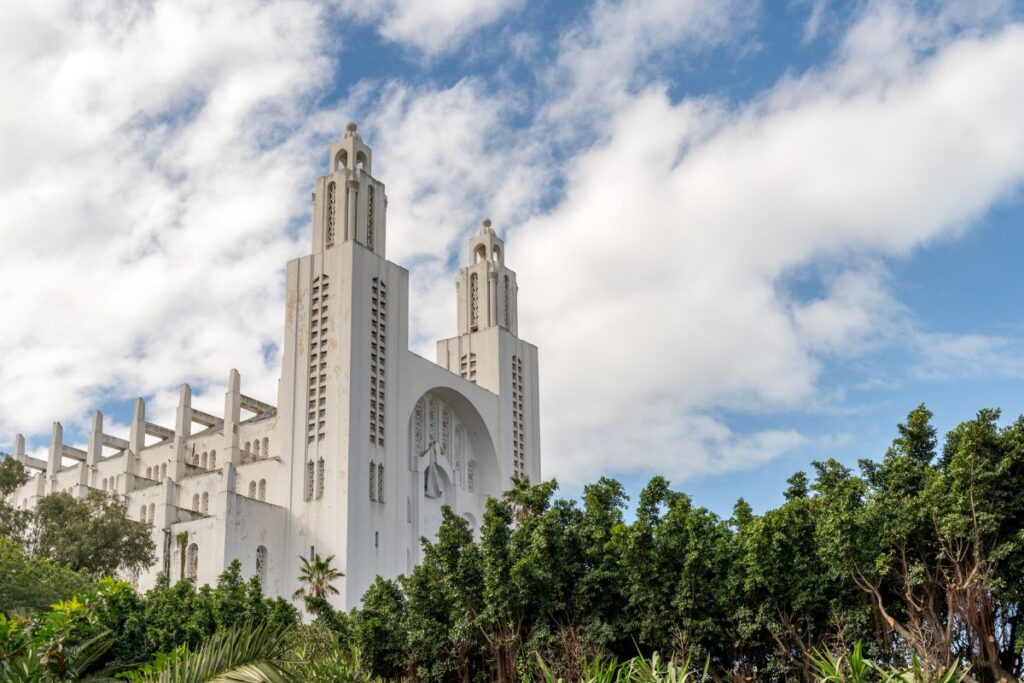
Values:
[(434, 27), (157, 154)]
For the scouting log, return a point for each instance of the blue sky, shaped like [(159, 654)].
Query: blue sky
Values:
[(748, 235)]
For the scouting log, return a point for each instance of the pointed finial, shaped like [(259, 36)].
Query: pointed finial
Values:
[(351, 128)]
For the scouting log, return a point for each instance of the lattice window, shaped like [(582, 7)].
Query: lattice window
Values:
[(459, 443), (378, 359), (518, 420), (317, 415), (471, 476), (262, 494), (508, 303), (331, 212), (320, 478), (380, 483), (309, 480), (373, 481), (432, 419), (446, 430), (370, 190), (418, 419), (474, 302), (261, 566), (192, 561)]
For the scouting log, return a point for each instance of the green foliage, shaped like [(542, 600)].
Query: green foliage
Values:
[(13, 522), (29, 584), (94, 535)]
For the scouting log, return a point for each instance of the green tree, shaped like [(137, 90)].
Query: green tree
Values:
[(379, 629), (13, 522), (29, 584), (94, 535)]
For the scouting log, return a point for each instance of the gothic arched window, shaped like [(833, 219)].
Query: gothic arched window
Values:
[(192, 561), (206, 503), (261, 565), (252, 489), (263, 489), (149, 473)]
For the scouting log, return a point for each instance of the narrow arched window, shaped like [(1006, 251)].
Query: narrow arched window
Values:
[(213, 460), (104, 486), (206, 460), (261, 566), (142, 513), (152, 513), (248, 447), (331, 212), (195, 503), (474, 302), (256, 447), (163, 471), (508, 303), (380, 483), (309, 480), (320, 478), (373, 481), (252, 489), (149, 473), (266, 447), (192, 561), (206, 503), (471, 475), (263, 489)]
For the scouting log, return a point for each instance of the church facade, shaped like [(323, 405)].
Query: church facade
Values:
[(367, 441)]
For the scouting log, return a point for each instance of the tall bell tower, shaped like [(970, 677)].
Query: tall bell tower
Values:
[(489, 352), (338, 398)]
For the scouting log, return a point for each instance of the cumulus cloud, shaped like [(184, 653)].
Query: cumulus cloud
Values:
[(166, 160), (155, 158), (434, 27)]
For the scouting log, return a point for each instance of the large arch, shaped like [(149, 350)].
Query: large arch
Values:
[(469, 441)]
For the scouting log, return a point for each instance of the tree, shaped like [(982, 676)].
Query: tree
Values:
[(94, 535), (13, 522), (379, 628), (316, 577), (30, 584)]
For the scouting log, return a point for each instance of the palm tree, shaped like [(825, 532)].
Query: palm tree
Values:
[(316, 577)]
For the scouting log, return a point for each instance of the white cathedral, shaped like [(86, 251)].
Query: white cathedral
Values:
[(368, 440)]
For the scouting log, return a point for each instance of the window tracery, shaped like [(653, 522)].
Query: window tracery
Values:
[(378, 359), (261, 566), (474, 302), (320, 478), (331, 212), (192, 561)]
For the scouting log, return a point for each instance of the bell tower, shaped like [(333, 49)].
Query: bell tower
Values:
[(489, 353), (349, 203)]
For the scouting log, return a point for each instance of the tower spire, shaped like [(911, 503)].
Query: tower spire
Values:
[(348, 202)]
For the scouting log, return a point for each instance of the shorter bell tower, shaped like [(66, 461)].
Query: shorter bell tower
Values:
[(489, 353)]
